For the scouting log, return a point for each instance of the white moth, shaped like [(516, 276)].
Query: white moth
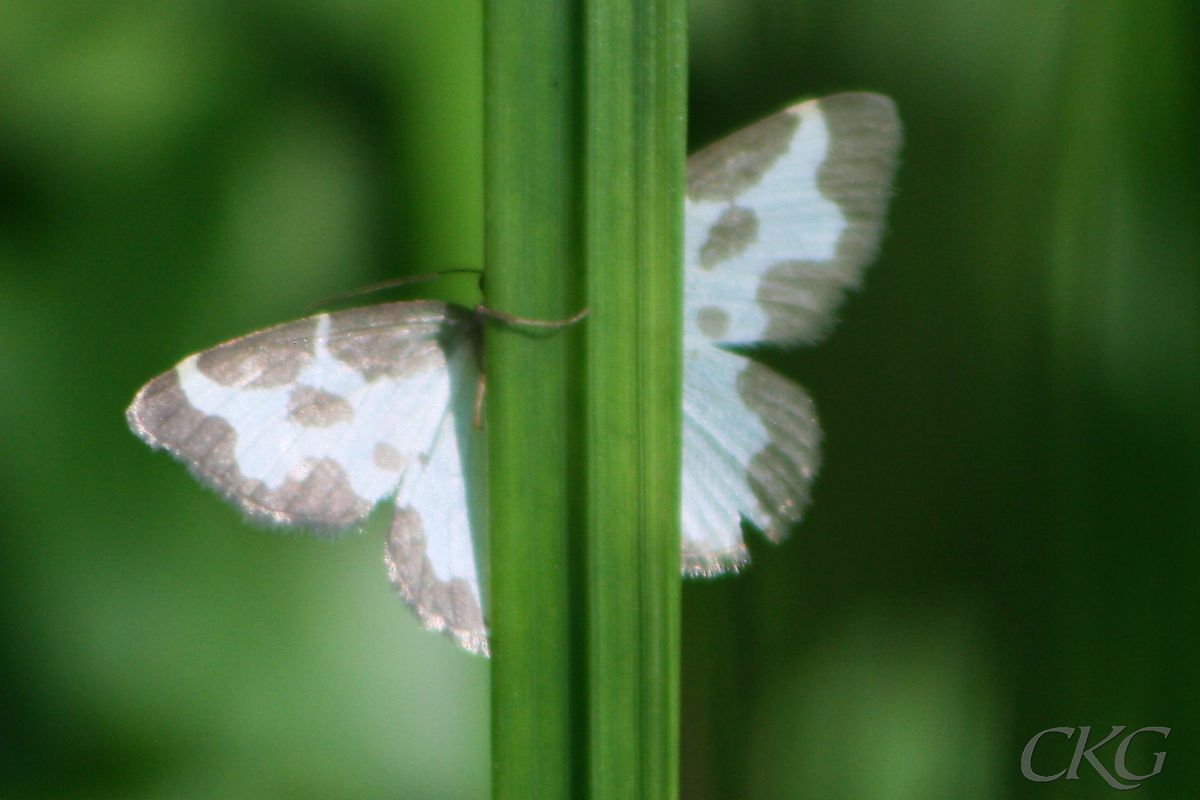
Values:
[(312, 423)]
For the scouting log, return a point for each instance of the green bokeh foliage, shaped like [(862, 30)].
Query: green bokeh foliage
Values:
[(1003, 537)]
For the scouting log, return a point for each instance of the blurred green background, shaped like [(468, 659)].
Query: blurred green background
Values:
[(1004, 536)]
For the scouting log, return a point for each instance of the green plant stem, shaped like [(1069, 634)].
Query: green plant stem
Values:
[(533, 261), (584, 165), (635, 171)]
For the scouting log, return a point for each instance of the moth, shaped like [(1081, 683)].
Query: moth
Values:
[(312, 423)]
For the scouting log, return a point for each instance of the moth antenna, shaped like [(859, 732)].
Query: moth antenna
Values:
[(394, 283)]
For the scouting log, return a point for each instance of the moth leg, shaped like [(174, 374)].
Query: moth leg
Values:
[(528, 322), (480, 391)]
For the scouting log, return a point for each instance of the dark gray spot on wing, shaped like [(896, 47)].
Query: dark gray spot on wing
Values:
[(388, 458), (713, 322), (262, 360), (864, 140), (317, 494), (318, 490), (315, 408), (734, 231), (799, 298), (781, 473), (396, 339), (441, 605), (724, 170)]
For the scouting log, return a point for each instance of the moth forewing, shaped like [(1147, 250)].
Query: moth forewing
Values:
[(783, 216)]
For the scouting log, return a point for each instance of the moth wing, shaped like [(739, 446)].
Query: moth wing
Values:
[(780, 219), (436, 545), (313, 422), (783, 216), (751, 446)]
